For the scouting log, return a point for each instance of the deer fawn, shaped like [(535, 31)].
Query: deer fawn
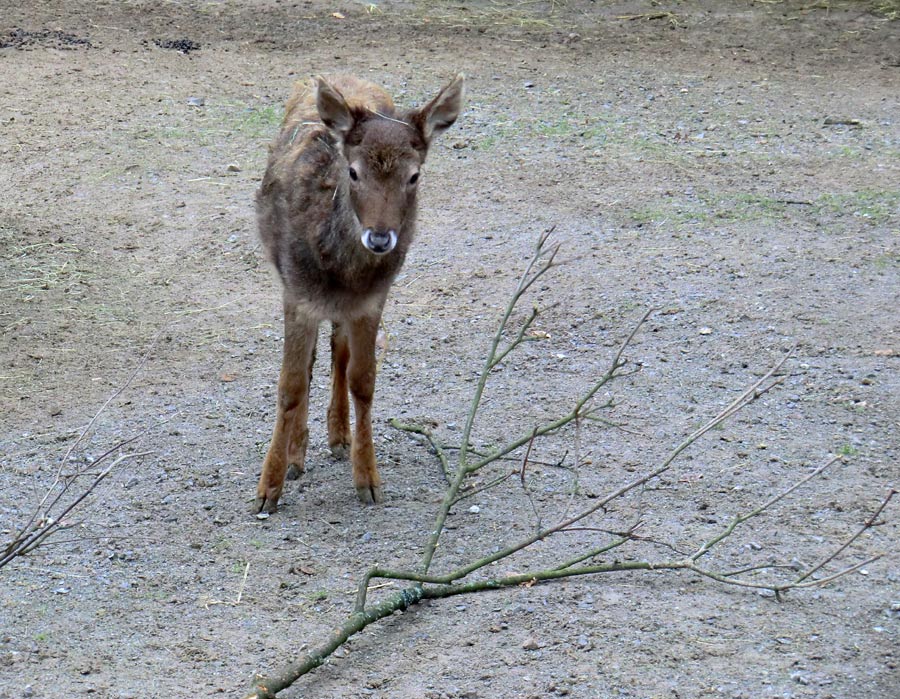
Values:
[(336, 213)]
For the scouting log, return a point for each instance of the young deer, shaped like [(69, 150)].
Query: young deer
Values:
[(336, 213)]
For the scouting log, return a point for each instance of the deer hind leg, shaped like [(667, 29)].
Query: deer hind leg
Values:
[(291, 434), (339, 408), (361, 375)]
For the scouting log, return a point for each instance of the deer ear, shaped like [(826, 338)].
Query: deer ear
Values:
[(333, 109), (438, 115)]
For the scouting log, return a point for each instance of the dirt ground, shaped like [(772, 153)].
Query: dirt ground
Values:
[(735, 165)]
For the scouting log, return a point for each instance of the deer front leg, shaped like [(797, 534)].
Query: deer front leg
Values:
[(339, 407), (362, 333), (291, 434)]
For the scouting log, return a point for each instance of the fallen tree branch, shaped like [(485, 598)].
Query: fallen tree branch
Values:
[(469, 577)]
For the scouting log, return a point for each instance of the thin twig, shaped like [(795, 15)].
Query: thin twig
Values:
[(243, 582), (526, 280), (435, 445), (537, 515), (487, 486), (31, 541), (737, 521), (868, 524), (88, 427)]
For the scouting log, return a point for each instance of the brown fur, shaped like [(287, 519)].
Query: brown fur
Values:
[(345, 161)]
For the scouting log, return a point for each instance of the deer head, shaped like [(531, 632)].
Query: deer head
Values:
[(384, 153)]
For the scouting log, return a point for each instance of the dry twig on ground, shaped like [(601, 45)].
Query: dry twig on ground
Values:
[(65, 494)]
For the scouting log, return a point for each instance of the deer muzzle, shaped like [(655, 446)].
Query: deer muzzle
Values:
[(379, 242)]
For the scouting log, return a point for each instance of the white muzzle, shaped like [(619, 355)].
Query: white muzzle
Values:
[(379, 242)]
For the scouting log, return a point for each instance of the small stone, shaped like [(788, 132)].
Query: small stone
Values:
[(234, 167), (262, 515), (706, 331), (474, 509), (800, 678), (196, 101), (531, 643)]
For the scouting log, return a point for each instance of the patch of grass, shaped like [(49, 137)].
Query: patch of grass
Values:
[(41, 266), (877, 206), (590, 131), (709, 207), (317, 596), (883, 262), (523, 13), (674, 214), (889, 9), (214, 123), (222, 544), (485, 143), (258, 122), (848, 450)]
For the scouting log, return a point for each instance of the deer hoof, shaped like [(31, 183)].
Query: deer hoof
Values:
[(370, 495), (340, 450), (293, 472), (263, 507)]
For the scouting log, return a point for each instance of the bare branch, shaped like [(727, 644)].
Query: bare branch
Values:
[(737, 521), (29, 539), (435, 445), (868, 524), (65, 459)]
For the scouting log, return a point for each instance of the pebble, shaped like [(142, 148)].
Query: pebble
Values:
[(530, 643)]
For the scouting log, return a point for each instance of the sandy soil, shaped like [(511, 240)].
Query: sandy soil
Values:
[(734, 165)]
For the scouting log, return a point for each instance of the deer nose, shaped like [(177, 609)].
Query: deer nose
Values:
[(379, 242)]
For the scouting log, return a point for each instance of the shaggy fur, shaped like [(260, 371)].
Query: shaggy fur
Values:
[(346, 162)]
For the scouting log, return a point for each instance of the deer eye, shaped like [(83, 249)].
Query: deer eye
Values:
[(414, 178), (353, 175)]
